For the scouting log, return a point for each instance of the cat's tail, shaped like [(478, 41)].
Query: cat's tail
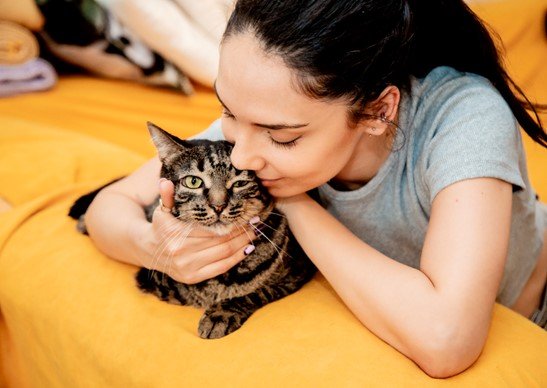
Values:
[(78, 208)]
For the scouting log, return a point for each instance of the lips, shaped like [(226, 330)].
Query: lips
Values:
[(269, 182)]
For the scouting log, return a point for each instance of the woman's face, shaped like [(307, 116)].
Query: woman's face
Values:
[(292, 142)]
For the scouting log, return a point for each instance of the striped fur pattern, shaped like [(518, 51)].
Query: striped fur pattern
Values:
[(212, 193)]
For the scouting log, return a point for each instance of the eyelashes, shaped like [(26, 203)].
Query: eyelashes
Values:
[(280, 144), (227, 114), (286, 144)]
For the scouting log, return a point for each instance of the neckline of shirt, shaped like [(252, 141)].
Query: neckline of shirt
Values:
[(399, 145)]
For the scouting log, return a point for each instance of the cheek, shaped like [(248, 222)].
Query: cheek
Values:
[(306, 163), (189, 209)]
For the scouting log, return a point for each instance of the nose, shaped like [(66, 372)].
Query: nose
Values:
[(245, 156), (217, 197), (218, 208)]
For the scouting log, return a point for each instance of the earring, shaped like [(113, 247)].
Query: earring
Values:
[(383, 117)]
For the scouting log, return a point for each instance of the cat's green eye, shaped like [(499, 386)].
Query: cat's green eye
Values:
[(192, 182), (240, 184)]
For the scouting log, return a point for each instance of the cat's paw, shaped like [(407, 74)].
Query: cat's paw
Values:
[(218, 323)]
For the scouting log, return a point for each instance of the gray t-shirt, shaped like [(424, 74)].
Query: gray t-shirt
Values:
[(453, 126)]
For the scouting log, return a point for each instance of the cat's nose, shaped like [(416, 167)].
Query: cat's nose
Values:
[(219, 208)]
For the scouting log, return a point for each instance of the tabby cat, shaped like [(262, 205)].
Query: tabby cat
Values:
[(213, 194)]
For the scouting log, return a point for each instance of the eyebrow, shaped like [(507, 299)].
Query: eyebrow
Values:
[(267, 126)]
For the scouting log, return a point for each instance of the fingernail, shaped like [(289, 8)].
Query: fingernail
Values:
[(161, 181), (248, 249), (254, 220)]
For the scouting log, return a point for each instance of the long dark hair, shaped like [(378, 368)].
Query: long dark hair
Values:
[(354, 49)]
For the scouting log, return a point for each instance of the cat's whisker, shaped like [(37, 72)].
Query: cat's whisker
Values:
[(245, 230), (163, 245), (171, 224), (278, 214), (169, 234), (251, 210), (275, 230), (175, 234), (238, 227), (157, 254), (276, 247), (268, 226), (182, 238), (175, 240), (266, 237)]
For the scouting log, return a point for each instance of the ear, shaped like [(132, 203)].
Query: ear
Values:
[(166, 144), (384, 111)]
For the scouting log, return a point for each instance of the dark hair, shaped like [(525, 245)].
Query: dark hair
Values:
[(354, 49)]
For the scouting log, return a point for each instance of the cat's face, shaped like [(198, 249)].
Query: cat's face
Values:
[(209, 190)]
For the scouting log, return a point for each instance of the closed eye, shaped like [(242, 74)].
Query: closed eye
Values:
[(281, 144), (240, 184), (226, 113), (284, 144)]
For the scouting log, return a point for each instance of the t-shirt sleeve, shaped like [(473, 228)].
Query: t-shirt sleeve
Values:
[(214, 132), (475, 135)]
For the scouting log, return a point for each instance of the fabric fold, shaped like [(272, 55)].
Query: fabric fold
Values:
[(34, 75), (17, 44), (23, 12)]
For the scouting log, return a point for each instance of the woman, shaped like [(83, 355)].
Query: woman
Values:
[(402, 116)]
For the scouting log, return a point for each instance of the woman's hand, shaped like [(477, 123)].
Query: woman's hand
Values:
[(189, 254)]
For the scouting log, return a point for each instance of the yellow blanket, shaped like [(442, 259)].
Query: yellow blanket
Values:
[(70, 317)]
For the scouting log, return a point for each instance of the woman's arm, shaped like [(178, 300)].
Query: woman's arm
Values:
[(437, 316), (117, 225), (115, 219)]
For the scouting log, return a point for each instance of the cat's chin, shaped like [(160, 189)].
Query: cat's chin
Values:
[(220, 228)]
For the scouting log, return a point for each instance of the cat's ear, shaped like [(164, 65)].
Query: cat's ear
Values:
[(166, 144)]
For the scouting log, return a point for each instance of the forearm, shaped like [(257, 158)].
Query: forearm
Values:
[(115, 236), (398, 303)]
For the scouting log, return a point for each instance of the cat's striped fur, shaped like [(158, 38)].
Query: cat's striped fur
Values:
[(276, 268)]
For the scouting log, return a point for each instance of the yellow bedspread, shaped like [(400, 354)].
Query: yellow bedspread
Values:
[(70, 317)]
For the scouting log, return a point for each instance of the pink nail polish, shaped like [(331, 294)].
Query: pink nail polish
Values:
[(254, 220), (248, 249)]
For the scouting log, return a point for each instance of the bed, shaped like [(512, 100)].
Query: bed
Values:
[(71, 317)]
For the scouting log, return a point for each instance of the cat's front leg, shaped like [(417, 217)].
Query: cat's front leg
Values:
[(222, 319)]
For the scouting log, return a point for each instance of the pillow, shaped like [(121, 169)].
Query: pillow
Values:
[(23, 12)]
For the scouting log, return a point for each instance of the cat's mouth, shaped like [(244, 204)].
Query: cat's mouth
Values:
[(221, 227)]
